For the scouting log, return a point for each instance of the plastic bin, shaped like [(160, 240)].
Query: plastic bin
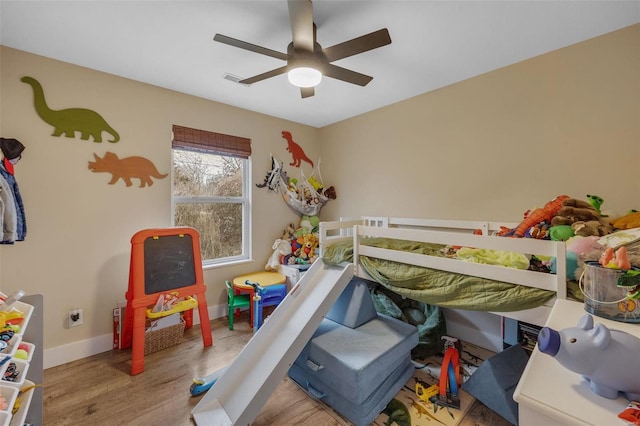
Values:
[(21, 368), (27, 310), (12, 346), (9, 394), (25, 401), (30, 349)]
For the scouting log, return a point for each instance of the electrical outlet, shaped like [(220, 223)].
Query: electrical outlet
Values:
[(75, 317)]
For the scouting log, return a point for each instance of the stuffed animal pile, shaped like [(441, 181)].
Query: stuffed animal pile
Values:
[(562, 218), (587, 233), (298, 244)]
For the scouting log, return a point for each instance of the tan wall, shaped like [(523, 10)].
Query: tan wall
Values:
[(493, 146), (79, 227)]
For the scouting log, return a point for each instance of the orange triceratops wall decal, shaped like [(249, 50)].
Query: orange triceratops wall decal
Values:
[(126, 168)]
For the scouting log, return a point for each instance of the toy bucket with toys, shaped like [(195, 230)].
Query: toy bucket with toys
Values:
[(603, 297)]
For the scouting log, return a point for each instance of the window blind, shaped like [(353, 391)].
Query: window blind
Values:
[(188, 138)]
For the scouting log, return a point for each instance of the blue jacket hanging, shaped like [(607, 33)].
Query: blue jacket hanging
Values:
[(21, 222), (8, 213)]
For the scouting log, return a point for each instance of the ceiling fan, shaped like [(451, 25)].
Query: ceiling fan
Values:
[(306, 60)]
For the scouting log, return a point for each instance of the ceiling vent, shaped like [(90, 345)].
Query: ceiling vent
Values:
[(235, 79)]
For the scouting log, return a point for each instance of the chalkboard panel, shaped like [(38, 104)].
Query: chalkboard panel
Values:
[(168, 263)]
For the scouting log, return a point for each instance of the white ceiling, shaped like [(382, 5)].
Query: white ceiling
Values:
[(434, 44)]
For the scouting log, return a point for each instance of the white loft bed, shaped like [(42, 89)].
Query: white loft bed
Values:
[(454, 233)]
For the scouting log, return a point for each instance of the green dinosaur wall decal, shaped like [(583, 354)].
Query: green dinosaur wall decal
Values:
[(71, 120)]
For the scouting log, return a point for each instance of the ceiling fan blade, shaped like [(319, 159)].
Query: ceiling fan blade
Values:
[(264, 75), (358, 45), (250, 47), (344, 74), (301, 17), (307, 92)]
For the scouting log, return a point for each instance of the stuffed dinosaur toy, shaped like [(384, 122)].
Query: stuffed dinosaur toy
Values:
[(534, 217), (596, 201)]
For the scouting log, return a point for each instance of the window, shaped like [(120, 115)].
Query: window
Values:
[(211, 191)]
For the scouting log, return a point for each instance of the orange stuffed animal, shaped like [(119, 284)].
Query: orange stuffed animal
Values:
[(538, 215)]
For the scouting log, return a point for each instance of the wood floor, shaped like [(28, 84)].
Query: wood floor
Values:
[(98, 390)]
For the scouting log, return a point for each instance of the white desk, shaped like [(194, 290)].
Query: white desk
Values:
[(549, 394)]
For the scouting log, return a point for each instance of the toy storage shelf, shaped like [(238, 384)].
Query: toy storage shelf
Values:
[(31, 401)]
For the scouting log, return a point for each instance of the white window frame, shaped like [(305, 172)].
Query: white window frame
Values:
[(245, 201)]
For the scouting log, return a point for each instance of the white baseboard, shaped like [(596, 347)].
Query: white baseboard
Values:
[(95, 345), (480, 328)]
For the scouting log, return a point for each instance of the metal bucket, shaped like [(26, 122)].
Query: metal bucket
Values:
[(602, 296)]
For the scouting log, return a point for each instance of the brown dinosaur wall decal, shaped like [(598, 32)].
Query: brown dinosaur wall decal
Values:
[(126, 169), (296, 150), (70, 120)]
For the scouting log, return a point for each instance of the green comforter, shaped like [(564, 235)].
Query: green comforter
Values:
[(436, 287)]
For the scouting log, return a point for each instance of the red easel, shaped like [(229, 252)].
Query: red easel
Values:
[(138, 300)]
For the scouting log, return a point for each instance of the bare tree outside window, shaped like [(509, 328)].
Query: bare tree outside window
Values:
[(210, 194)]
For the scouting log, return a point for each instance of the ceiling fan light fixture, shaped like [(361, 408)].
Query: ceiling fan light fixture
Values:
[(306, 60), (304, 76)]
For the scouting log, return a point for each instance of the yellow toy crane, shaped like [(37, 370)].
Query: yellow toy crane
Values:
[(427, 393)]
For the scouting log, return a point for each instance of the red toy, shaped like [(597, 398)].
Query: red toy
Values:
[(538, 215), (297, 153)]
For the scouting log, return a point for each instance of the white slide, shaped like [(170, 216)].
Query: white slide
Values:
[(242, 390)]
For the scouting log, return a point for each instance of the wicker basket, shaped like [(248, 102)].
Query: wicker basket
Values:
[(157, 340)]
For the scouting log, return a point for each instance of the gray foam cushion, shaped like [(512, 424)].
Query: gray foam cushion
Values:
[(354, 306)]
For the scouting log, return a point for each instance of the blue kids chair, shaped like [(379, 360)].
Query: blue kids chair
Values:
[(269, 296)]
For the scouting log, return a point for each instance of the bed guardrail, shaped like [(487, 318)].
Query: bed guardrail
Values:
[(341, 230), (552, 249), (449, 232)]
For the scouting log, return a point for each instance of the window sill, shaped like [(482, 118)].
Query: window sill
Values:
[(226, 264)]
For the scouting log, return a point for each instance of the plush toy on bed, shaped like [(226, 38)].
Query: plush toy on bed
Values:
[(583, 218), (628, 221), (586, 249), (596, 228), (596, 201), (539, 231), (537, 216), (574, 210), (580, 249)]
